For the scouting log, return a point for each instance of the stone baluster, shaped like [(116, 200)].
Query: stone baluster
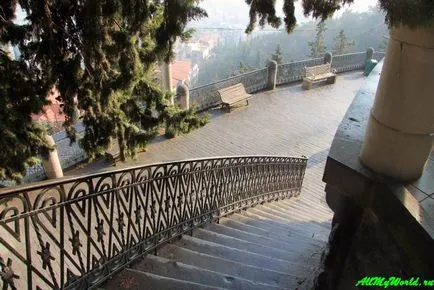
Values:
[(166, 72), (328, 58), (51, 162), (272, 75), (369, 53), (183, 95)]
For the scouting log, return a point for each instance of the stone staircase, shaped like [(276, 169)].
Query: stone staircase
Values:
[(276, 245)]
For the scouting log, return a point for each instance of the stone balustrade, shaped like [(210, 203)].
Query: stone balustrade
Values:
[(206, 97)]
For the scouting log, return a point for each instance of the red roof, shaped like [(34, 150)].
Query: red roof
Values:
[(51, 112), (180, 71)]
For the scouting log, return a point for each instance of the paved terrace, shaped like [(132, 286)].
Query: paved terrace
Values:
[(287, 121)]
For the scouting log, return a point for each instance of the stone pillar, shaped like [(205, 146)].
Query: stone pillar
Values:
[(400, 131), (369, 53), (166, 72), (328, 58), (272, 75), (51, 162), (183, 94)]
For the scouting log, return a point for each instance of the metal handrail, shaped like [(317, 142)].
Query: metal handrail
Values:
[(75, 232)]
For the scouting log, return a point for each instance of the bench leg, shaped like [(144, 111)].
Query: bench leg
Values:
[(307, 85), (331, 80)]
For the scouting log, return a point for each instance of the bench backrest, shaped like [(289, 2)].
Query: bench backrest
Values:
[(233, 93), (318, 70)]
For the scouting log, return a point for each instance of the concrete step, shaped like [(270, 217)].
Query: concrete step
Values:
[(321, 223), (273, 214), (288, 254), (244, 257), (290, 245), (273, 222), (230, 267), (177, 270), (263, 228), (136, 280), (308, 213), (302, 202), (303, 205), (295, 208)]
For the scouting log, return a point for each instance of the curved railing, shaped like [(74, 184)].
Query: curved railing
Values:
[(73, 233)]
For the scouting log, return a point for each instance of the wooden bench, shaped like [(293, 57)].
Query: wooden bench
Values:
[(318, 73), (233, 95), (113, 154)]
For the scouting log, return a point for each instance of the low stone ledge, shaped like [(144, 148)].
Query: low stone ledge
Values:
[(393, 233)]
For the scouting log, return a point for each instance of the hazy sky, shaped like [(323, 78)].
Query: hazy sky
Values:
[(235, 12)]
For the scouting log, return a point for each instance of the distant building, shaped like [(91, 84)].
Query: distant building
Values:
[(51, 113), (198, 48), (184, 71)]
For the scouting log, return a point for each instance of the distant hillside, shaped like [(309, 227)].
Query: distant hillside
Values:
[(367, 29)]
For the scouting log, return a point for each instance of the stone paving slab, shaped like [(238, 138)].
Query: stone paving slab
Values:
[(288, 121)]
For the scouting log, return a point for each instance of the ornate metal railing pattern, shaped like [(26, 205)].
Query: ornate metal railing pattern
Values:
[(74, 233), (294, 71), (205, 97), (349, 62)]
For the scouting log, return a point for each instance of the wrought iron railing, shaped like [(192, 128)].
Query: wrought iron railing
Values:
[(73, 233)]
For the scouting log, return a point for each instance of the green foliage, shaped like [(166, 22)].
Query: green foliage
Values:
[(318, 47), (22, 93), (262, 11), (99, 54), (243, 68), (183, 121), (412, 13), (342, 44), (278, 55)]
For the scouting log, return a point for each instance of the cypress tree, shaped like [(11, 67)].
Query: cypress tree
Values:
[(278, 55), (99, 54), (318, 47), (342, 44)]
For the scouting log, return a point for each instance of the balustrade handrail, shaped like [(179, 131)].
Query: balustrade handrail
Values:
[(228, 79), (7, 191), (75, 232)]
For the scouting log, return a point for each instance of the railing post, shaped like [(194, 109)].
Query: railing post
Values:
[(369, 53), (51, 162), (272, 75), (183, 94), (166, 69), (328, 58)]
